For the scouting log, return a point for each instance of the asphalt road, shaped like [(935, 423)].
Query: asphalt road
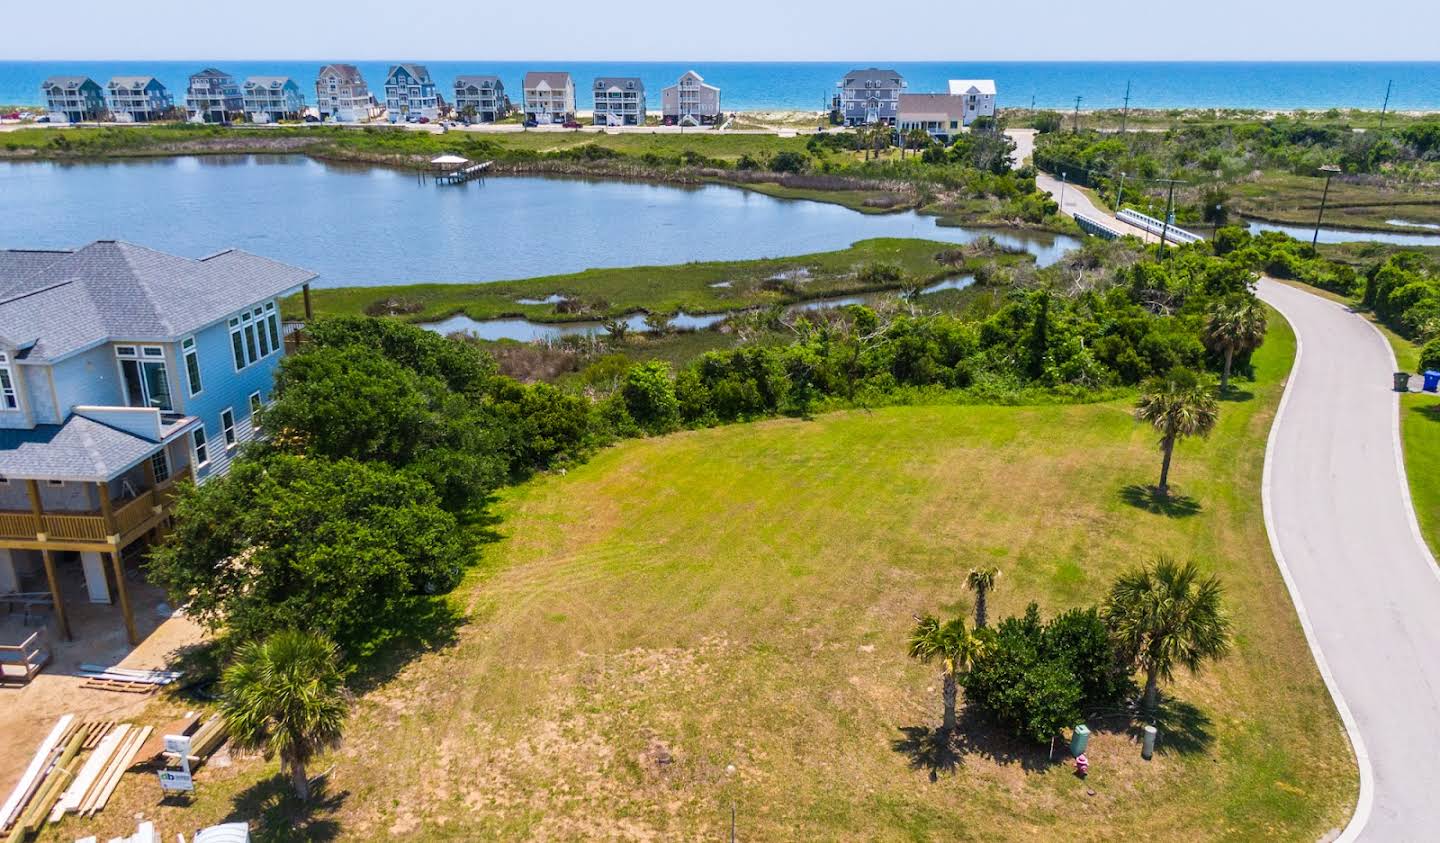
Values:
[(1338, 510), (1072, 201)]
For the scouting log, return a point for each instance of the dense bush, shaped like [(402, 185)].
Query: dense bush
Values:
[(1036, 678), (1404, 291), (341, 547)]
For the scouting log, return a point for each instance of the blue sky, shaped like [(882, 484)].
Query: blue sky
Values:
[(739, 30)]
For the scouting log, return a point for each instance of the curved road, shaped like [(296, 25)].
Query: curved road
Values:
[(1338, 510)]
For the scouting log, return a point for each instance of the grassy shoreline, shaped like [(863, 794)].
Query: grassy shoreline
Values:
[(604, 293)]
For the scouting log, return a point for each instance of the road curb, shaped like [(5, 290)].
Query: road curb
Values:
[(1365, 801)]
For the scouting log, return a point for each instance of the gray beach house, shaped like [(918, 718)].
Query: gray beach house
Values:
[(138, 99), (342, 95), (76, 98), (870, 95), (481, 98), (213, 97), (690, 101), (619, 101), (549, 96)]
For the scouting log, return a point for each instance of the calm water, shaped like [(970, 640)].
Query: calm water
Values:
[(1345, 235), (524, 330), (749, 86), (367, 226)]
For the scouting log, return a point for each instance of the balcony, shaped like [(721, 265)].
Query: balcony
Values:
[(66, 530)]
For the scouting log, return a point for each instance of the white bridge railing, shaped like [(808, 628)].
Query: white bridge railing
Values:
[(1133, 217)]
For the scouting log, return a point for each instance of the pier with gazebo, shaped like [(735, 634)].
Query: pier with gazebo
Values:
[(454, 169)]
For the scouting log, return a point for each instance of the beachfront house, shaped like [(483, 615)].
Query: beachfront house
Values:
[(75, 98), (213, 97), (481, 98), (942, 116), (868, 96), (690, 101), (270, 99), (619, 101), (410, 93), (978, 95), (138, 99), (122, 372), (549, 97), (342, 95)]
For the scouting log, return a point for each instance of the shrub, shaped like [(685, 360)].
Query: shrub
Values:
[(649, 397), (790, 162), (1430, 355), (1046, 122)]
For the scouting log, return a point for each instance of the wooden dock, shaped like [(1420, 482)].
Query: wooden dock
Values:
[(464, 174)]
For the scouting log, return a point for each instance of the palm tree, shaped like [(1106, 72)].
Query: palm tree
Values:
[(1236, 324), (286, 695), (1166, 615), (954, 646), (1177, 405), (980, 581)]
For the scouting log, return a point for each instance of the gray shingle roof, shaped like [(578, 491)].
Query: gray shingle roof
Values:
[(266, 81), (556, 79), (80, 449), (114, 290), (872, 74), (477, 81), (343, 72), (132, 81), (607, 82), (951, 106), (67, 82)]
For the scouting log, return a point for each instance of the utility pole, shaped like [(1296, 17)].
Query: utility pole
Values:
[(1169, 209), (1076, 127), (1329, 170), (1032, 101), (1386, 106), (1063, 183), (1120, 194), (1125, 115)]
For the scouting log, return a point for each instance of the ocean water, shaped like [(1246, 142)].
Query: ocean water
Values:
[(748, 86)]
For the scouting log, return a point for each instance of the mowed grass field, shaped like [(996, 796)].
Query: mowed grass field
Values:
[(740, 597)]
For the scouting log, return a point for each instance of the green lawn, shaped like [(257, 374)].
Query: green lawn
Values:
[(741, 596), (660, 289), (1420, 432)]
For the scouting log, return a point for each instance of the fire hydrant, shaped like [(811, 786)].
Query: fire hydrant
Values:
[(1082, 765)]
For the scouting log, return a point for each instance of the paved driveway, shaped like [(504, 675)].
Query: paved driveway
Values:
[(1338, 510)]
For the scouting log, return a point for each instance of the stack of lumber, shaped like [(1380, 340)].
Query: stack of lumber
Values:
[(125, 679), (206, 740), (57, 782)]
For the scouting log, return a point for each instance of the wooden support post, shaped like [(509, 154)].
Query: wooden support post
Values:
[(309, 314), (36, 508), (55, 594), (149, 468), (124, 596), (108, 513)]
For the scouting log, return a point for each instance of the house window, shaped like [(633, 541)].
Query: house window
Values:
[(254, 335), (142, 368), (9, 400), (55, 482), (192, 364), (227, 427), (202, 450), (256, 405), (160, 464)]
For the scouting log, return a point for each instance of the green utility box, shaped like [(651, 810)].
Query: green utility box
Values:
[(1079, 739)]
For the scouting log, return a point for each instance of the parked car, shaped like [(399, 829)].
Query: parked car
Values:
[(532, 123), (571, 124), (424, 120)]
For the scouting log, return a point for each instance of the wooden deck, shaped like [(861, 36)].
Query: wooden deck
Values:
[(464, 174), (87, 530)]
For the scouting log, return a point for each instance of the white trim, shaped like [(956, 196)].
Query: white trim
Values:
[(196, 446), (227, 431), (1365, 801)]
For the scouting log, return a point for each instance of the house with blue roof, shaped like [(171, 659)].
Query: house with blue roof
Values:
[(123, 371)]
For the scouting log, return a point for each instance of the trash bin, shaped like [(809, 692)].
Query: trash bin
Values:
[(1079, 739), (1402, 381), (1432, 380)]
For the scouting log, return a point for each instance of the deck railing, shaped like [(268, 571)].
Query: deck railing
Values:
[(90, 526)]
